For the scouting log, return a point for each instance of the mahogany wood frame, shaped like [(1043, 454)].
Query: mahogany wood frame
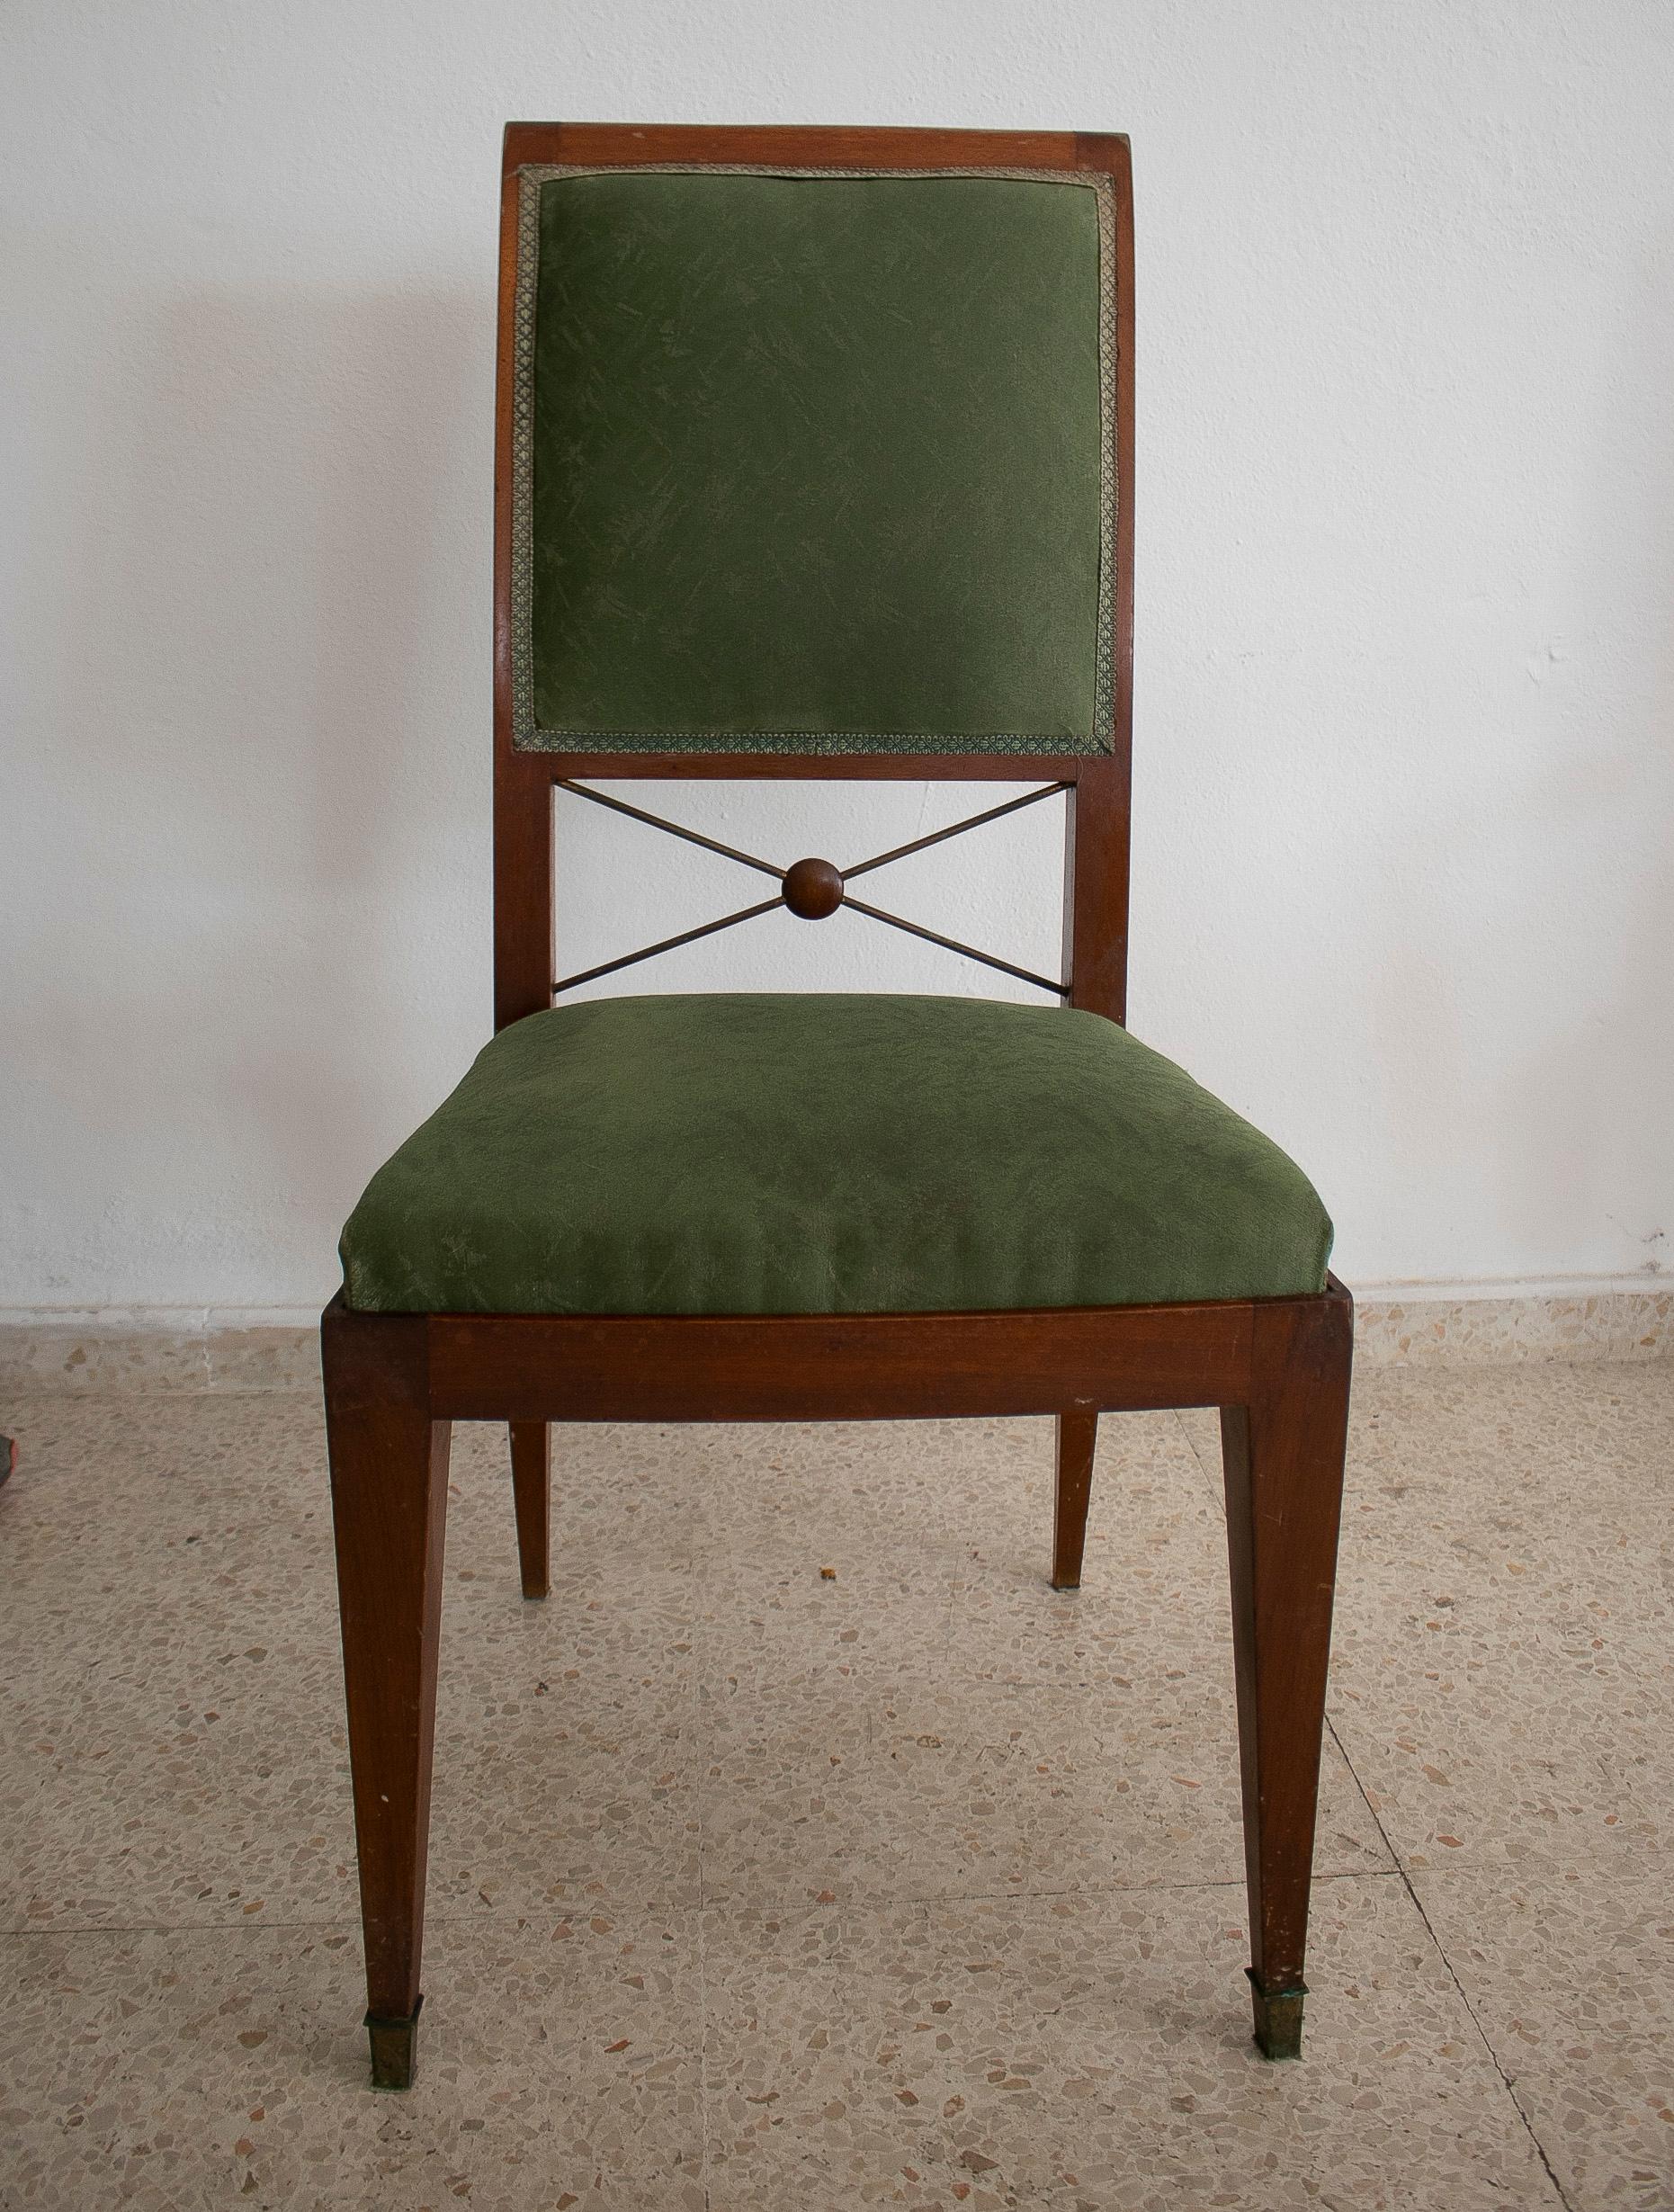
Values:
[(1277, 1368)]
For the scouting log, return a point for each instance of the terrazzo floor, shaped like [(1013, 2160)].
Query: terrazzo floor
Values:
[(914, 1884)]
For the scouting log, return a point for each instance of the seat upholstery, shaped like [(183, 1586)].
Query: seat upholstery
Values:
[(815, 463), (743, 1153)]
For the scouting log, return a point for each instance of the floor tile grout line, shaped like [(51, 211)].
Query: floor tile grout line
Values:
[(1397, 1867), (881, 1901), (699, 1675), (348, 1924), (1204, 1471), (701, 1940), (928, 1902), (348, 1921), (703, 1911), (661, 1908), (1400, 1867)]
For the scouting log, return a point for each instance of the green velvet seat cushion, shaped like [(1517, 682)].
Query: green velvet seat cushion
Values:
[(815, 458), (827, 1154)]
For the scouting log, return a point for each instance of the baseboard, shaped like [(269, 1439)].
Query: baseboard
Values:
[(1466, 1324), (159, 1348), (277, 1348)]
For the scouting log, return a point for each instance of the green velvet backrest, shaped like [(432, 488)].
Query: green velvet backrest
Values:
[(815, 462)]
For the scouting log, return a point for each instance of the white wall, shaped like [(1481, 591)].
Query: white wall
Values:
[(1406, 545)]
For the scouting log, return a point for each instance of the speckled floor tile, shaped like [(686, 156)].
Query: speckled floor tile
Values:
[(811, 1798), (1503, 1655), (1493, 1437), (1002, 1736), (1155, 1601), (192, 1776), (76, 1356), (1092, 2053), (108, 1482), (921, 1552), (1572, 1980), (1487, 1436), (1503, 1673), (173, 1709), (821, 1611), (971, 1786), (115, 1491), (262, 1359), (913, 1486), (166, 2072)]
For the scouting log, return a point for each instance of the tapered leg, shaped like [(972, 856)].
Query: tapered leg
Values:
[(388, 1499), (1078, 1435), (532, 1491), (1283, 1461)]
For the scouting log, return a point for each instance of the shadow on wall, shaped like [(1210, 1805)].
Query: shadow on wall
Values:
[(1514, 1079), (288, 591), (1557, 1120), (1611, 825), (269, 949), (1588, 1079)]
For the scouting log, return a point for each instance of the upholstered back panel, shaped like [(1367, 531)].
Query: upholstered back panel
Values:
[(812, 462)]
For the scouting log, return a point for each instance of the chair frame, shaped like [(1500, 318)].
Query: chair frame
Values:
[(1278, 1369)]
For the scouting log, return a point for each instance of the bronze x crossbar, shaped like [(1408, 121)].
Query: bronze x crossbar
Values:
[(811, 889)]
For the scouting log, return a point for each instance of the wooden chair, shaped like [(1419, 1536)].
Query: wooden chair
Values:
[(815, 459)]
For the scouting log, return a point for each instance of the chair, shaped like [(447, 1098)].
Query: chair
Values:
[(815, 459)]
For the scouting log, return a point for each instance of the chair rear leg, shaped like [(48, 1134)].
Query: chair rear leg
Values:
[(1284, 1460), (1077, 1438), (388, 1499), (531, 1491)]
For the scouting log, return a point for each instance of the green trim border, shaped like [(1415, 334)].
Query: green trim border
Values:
[(528, 735)]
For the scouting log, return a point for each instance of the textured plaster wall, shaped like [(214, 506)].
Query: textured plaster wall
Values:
[(1406, 589)]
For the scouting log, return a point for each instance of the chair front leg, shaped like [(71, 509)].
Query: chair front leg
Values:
[(531, 1492), (389, 1500), (1078, 1439), (1283, 1455)]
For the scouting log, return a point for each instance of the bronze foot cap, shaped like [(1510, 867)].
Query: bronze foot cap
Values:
[(1278, 2018), (394, 2048)]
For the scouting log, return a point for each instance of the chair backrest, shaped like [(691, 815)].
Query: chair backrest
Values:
[(813, 459)]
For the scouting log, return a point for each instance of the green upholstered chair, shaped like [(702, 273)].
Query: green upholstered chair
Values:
[(815, 457)]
